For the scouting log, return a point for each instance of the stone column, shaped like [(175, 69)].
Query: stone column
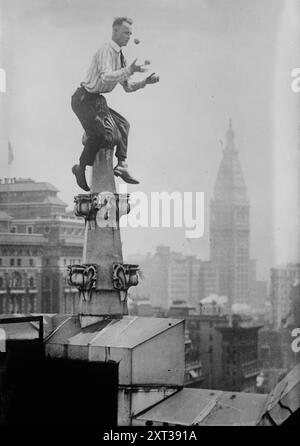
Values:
[(102, 245), (102, 278)]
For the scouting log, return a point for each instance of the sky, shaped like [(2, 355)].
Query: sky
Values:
[(216, 59)]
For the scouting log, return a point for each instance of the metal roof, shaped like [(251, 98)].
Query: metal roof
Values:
[(70, 332), (127, 332), (201, 407), (29, 330), (284, 399), (22, 330)]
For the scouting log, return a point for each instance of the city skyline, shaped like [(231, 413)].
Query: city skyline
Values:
[(169, 301), (62, 36)]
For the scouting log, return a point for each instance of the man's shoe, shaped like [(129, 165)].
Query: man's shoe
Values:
[(122, 172), (79, 173)]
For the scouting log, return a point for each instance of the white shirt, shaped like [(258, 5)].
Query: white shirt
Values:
[(105, 71)]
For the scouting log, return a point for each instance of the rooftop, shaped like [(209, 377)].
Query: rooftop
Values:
[(24, 185), (127, 332), (285, 397), (26, 239), (29, 330), (201, 407)]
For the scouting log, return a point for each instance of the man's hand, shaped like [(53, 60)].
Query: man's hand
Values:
[(135, 68), (152, 79)]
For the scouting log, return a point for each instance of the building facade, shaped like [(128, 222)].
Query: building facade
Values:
[(38, 240), (204, 358), (169, 276), (295, 305), (240, 363), (282, 279)]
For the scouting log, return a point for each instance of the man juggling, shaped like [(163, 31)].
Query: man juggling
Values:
[(108, 68)]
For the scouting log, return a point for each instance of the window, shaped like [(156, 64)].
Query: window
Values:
[(12, 262), (31, 262), (0, 262), (13, 229), (19, 262), (31, 282), (31, 304), (47, 230), (17, 280), (29, 229), (1, 282)]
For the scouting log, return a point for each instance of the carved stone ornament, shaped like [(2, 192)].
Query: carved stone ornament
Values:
[(125, 276), (106, 208), (84, 206), (84, 277)]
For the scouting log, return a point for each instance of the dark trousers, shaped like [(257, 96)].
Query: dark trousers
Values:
[(87, 107)]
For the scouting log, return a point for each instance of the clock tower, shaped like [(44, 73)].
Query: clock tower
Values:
[(229, 226)]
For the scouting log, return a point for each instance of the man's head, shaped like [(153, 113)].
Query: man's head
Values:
[(122, 30)]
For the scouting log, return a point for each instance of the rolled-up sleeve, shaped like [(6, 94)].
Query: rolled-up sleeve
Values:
[(130, 86)]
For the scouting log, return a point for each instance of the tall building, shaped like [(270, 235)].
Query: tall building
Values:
[(179, 278), (295, 304), (169, 276), (240, 363), (207, 339), (204, 358), (282, 279), (258, 289), (38, 239), (20, 268), (209, 280), (153, 284), (229, 226)]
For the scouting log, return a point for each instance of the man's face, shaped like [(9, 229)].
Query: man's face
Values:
[(122, 33)]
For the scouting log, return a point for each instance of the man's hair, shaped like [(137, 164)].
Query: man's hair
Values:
[(119, 21)]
